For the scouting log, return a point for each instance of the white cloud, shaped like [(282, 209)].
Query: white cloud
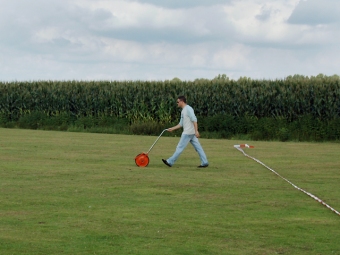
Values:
[(262, 21), (126, 39), (316, 12), (180, 4)]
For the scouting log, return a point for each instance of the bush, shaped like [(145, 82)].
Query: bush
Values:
[(225, 126), (33, 120), (86, 122), (3, 119), (289, 98), (146, 128), (284, 134)]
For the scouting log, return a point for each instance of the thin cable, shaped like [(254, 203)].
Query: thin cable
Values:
[(238, 147)]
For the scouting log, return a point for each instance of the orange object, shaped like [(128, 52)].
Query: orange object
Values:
[(142, 160)]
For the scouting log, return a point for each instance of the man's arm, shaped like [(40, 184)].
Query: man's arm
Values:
[(196, 129), (174, 128)]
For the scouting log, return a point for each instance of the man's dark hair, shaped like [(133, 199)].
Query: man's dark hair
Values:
[(182, 98)]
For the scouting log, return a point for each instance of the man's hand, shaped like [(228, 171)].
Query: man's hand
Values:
[(197, 134), (174, 128)]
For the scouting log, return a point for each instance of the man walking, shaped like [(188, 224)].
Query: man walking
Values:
[(190, 134)]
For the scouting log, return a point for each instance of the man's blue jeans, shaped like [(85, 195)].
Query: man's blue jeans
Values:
[(183, 142)]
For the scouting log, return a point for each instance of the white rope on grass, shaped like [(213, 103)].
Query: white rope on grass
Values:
[(240, 146)]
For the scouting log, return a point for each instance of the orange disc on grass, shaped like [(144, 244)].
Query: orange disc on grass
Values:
[(142, 160)]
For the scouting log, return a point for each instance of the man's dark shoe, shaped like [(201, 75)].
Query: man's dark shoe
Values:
[(166, 162), (203, 166)]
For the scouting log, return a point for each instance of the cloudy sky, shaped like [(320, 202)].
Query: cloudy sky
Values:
[(163, 39)]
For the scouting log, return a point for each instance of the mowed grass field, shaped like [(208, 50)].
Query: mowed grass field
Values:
[(81, 193)]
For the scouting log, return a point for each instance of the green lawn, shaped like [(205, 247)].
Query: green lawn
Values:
[(81, 193)]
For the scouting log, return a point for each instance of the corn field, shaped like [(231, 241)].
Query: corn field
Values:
[(289, 98)]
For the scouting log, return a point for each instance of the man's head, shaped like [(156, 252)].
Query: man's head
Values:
[(181, 101)]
